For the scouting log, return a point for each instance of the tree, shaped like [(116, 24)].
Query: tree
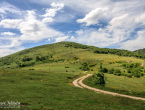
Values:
[(103, 70), (99, 79), (100, 65), (117, 72), (111, 71), (85, 67)]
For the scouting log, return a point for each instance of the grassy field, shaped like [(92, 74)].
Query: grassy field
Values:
[(45, 85), (121, 84), (36, 89)]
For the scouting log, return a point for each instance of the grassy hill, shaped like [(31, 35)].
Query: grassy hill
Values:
[(140, 51), (37, 77)]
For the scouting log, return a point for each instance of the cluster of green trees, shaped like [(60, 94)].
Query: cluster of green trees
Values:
[(119, 52), (110, 71), (134, 69), (28, 61), (85, 67), (27, 58), (99, 79), (105, 50)]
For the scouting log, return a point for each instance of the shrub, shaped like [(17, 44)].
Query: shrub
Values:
[(27, 58), (111, 71), (98, 79), (66, 67), (91, 69), (128, 70), (85, 67), (117, 71), (103, 70), (129, 75), (142, 74)]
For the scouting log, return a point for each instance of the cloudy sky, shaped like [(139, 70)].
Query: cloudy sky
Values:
[(102, 23)]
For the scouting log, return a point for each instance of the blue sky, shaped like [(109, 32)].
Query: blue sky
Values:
[(102, 23)]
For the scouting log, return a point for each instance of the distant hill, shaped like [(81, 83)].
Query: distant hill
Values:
[(140, 51), (57, 52)]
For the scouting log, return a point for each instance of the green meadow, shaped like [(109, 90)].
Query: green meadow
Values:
[(37, 78)]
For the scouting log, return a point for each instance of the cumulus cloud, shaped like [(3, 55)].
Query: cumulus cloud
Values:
[(96, 38), (33, 29), (46, 20), (141, 19), (59, 39), (8, 33), (6, 8), (93, 17), (7, 51), (134, 44), (10, 23), (118, 22), (52, 12)]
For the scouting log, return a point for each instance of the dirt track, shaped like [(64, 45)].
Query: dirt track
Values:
[(78, 83)]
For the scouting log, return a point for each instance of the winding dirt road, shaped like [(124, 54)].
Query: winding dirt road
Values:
[(78, 83)]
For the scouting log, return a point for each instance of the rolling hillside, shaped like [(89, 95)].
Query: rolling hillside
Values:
[(57, 52), (140, 51), (41, 77)]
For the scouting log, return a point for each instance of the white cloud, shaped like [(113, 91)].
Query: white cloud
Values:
[(9, 42), (134, 44), (8, 33), (96, 38), (46, 20), (118, 22), (5, 8), (57, 6), (59, 39), (33, 29), (10, 23), (141, 19), (52, 12), (30, 29), (7, 51), (93, 17)]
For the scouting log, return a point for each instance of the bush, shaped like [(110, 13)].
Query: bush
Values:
[(111, 71), (98, 79), (27, 58), (119, 74), (142, 74), (117, 71), (103, 70), (85, 67), (129, 75), (137, 75), (66, 67), (128, 70)]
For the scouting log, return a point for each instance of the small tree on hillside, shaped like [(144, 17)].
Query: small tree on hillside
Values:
[(99, 79), (100, 65)]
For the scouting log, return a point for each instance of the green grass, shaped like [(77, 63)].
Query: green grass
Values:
[(121, 84), (49, 90), (47, 87)]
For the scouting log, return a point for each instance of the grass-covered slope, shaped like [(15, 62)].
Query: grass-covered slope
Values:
[(44, 90), (140, 51), (38, 77), (57, 52)]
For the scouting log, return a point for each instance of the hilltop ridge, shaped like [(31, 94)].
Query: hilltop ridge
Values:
[(57, 52)]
